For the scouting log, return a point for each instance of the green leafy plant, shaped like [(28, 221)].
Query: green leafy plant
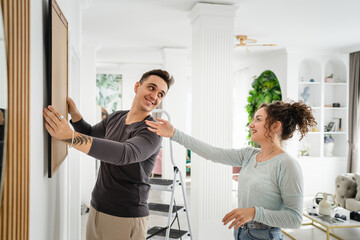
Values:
[(265, 88), (109, 91)]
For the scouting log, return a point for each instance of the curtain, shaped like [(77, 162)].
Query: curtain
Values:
[(354, 113)]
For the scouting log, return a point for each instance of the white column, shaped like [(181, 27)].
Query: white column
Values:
[(212, 50), (175, 62), (73, 161), (87, 107)]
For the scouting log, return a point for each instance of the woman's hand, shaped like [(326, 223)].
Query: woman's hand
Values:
[(239, 216), (162, 127), (56, 125), (73, 111)]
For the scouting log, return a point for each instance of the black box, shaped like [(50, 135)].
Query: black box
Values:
[(355, 215)]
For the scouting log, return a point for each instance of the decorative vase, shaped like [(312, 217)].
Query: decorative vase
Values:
[(328, 149), (325, 207), (329, 80)]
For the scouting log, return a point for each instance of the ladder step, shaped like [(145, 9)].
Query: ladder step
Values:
[(163, 209), (174, 233), (162, 184)]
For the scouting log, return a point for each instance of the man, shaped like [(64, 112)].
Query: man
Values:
[(127, 151)]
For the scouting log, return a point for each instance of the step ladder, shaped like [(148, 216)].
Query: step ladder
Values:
[(171, 210)]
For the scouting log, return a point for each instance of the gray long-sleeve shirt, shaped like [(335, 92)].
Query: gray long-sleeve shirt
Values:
[(127, 154), (274, 187)]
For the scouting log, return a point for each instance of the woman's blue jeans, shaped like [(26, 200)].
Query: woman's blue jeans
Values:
[(273, 233)]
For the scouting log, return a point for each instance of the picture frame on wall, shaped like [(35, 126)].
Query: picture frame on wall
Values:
[(57, 79)]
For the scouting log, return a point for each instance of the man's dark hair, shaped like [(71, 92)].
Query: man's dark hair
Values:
[(160, 73)]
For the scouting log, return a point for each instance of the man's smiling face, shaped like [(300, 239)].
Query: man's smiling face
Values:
[(150, 93)]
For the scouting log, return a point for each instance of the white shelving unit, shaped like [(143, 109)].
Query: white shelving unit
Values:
[(319, 171), (321, 96)]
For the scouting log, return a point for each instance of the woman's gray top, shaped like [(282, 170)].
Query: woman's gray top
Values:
[(274, 187)]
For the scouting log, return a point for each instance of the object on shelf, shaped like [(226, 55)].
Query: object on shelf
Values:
[(305, 94), (311, 80), (304, 148), (314, 130), (313, 209), (343, 217), (331, 127), (339, 123), (328, 145), (328, 138), (328, 149), (328, 219), (355, 215), (330, 78), (336, 104), (325, 207)]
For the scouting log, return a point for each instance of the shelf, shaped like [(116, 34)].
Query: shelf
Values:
[(335, 133), (309, 83), (334, 157), (314, 133), (335, 108), (308, 157), (318, 133), (320, 96), (335, 84), (320, 158)]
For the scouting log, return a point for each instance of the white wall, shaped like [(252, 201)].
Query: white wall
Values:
[(244, 73), (88, 109), (241, 87), (276, 62), (50, 198)]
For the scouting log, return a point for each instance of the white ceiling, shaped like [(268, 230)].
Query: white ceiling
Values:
[(137, 30)]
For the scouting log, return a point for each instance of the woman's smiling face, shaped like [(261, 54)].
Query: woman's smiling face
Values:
[(257, 126)]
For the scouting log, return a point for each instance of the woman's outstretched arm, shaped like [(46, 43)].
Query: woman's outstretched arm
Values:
[(226, 156)]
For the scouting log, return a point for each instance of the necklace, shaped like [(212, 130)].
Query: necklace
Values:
[(259, 160)]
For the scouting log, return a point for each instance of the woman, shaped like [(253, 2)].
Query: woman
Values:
[(270, 182)]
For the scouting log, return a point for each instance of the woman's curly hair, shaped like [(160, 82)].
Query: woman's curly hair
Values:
[(292, 115)]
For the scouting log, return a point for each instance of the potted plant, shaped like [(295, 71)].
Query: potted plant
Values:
[(328, 145), (304, 148), (330, 78)]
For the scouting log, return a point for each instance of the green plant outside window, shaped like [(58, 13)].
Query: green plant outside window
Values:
[(109, 91), (265, 88)]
